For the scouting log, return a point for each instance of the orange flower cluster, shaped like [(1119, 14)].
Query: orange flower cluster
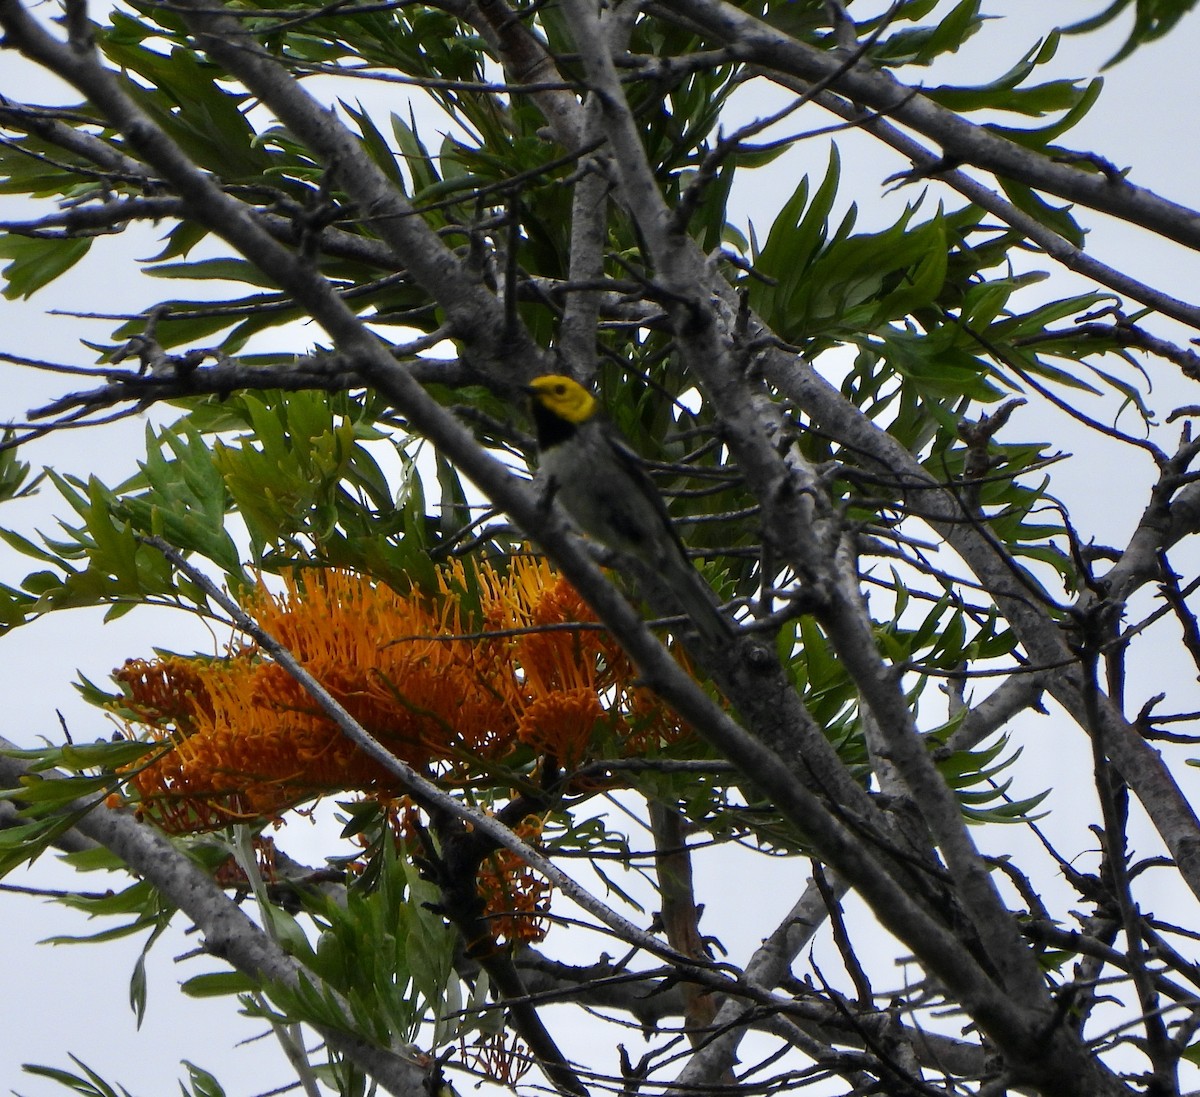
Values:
[(442, 687), (167, 692), (516, 899)]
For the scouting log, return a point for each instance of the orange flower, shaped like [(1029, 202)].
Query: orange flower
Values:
[(165, 692), (440, 689), (516, 899), (561, 723)]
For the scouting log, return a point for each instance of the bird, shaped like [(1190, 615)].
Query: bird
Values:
[(599, 479)]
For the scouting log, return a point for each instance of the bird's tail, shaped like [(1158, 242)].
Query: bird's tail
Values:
[(698, 600)]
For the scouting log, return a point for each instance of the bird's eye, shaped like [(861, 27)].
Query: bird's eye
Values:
[(560, 390)]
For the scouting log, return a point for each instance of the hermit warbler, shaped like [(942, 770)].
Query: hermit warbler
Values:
[(600, 482)]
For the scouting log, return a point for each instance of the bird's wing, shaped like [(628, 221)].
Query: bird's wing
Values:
[(632, 462)]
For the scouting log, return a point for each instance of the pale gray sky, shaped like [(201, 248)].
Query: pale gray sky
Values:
[(61, 1000)]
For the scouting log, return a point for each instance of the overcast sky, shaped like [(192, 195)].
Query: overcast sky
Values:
[(75, 999)]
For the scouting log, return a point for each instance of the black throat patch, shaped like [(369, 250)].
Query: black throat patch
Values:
[(551, 429)]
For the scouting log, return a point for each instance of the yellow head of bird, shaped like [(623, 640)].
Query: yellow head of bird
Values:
[(563, 397)]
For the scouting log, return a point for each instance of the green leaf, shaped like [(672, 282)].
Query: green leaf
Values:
[(221, 270), (137, 989), (25, 842), (87, 1084), (1040, 137), (196, 112), (284, 475), (375, 143), (922, 45), (420, 164), (202, 1083), (14, 474), (218, 984), (97, 859), (186, 499), (45, 792), (1152, 20), (37, 261), (829, 288), (1005, 93)]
